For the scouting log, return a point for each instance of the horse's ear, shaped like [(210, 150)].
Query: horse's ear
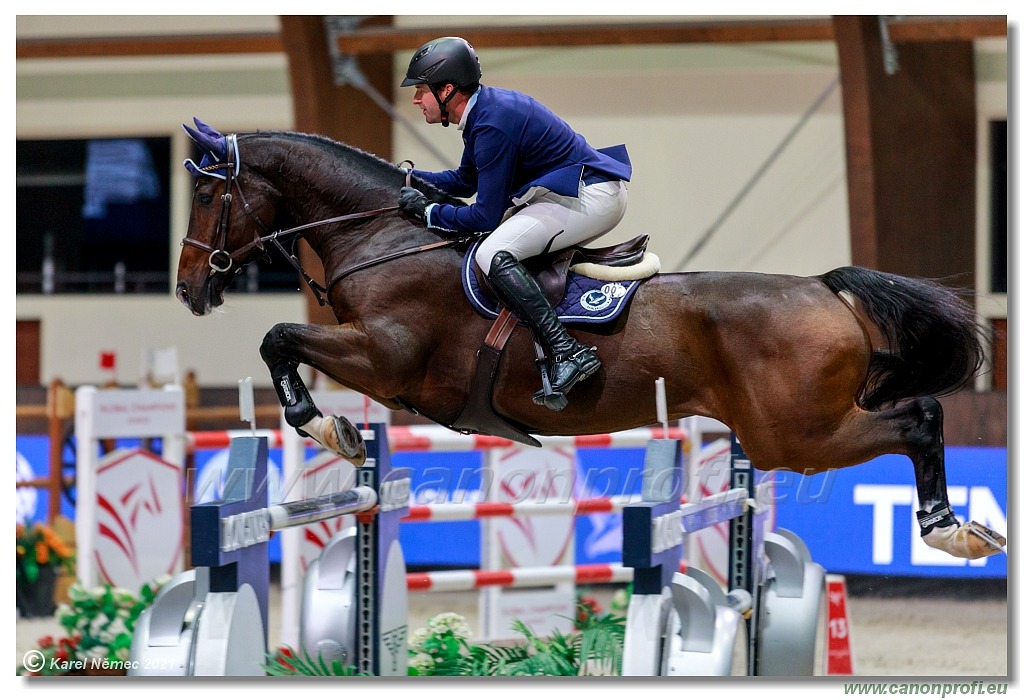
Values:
[(206, 128), (216, 146)]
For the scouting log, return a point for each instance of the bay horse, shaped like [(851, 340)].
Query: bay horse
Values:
[(788, 363)]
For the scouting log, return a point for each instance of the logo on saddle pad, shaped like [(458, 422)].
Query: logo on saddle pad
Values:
[(601, 299), (586, 300)]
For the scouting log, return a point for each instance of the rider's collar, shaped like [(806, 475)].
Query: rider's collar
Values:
[(208, 165), (465, 113)]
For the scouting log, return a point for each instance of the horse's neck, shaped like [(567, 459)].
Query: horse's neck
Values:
[(315, 190), (310, 198), (317, 186), (355, 240)]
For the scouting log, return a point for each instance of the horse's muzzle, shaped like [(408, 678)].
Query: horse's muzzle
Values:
[(198, 304)]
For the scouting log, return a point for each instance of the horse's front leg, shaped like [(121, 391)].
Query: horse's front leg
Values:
[(338, 351)]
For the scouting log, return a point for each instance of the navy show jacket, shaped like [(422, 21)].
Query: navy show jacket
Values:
[(513, 143)]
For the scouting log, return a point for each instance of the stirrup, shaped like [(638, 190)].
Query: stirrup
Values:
[(550, 399), (553, 397), (547, 396)]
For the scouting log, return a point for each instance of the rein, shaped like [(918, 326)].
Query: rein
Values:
[(218, 253)]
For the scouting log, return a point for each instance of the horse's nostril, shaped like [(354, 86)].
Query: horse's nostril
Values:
[(181, 292)]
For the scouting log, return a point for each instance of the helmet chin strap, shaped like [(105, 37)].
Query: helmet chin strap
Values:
[(443, 104)]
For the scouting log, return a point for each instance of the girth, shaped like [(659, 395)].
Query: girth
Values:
[(478, 414)]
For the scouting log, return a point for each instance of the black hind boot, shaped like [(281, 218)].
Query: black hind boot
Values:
[(571, 362)]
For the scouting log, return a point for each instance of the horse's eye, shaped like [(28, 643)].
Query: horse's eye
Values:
[(205, 198)]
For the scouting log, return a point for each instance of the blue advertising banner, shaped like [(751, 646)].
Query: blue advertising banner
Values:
[(603, 473), (442, 477)]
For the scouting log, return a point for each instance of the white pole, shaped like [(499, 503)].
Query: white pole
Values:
[(85, 485), (247, 403), (662, 403)]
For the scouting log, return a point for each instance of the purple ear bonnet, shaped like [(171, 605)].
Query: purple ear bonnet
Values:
[(212, 143)]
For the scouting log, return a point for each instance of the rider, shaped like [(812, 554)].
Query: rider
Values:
[(539, 186)]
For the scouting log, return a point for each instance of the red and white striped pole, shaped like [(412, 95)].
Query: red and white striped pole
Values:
[(473, 579), (439, 512)]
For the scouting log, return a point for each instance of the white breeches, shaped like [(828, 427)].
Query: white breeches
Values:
[(544, 218)]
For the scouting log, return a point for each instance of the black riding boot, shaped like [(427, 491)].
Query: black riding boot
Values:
[(571, 362)]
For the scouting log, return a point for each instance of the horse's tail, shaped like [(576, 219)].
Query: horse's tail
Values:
[(934, 339)]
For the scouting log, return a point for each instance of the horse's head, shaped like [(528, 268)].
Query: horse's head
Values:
[(231, 209), (248, 183)]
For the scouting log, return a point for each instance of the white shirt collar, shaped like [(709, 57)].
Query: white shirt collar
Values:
[(465, 112)]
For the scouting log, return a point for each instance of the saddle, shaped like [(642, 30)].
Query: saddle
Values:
[(551, 271)]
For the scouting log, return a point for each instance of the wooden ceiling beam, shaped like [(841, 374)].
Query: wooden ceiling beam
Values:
[(377, 40), (925, 29), (901, 30), (147, 46), (368, 40)]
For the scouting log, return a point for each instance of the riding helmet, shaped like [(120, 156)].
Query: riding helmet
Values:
[(449, 59)]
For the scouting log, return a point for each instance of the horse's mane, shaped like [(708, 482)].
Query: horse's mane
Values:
[(373, 166)]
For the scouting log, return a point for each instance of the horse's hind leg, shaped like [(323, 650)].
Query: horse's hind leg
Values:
[(913, 428), (922, 423)]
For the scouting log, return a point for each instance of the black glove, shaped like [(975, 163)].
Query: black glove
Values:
[(413, 203)]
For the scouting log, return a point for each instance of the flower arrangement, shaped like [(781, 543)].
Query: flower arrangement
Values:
[(586, 608), (102, 619), (441, 648), (620, 600), (99, 623), (38, 546), (42, 556)]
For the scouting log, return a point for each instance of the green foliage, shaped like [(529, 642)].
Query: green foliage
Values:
[(593, 648), (288, 662)]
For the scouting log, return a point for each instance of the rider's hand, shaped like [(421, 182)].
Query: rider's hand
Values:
[(413, 203)]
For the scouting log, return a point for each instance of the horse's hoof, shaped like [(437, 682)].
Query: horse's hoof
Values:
[(968, 541), (344, 439)]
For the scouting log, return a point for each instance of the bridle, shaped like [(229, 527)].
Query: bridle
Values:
[(222, 261)]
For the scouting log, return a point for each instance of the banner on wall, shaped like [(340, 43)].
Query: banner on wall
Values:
[(140, 519)]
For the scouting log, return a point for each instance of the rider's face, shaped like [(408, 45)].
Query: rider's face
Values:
[(425, 100)]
